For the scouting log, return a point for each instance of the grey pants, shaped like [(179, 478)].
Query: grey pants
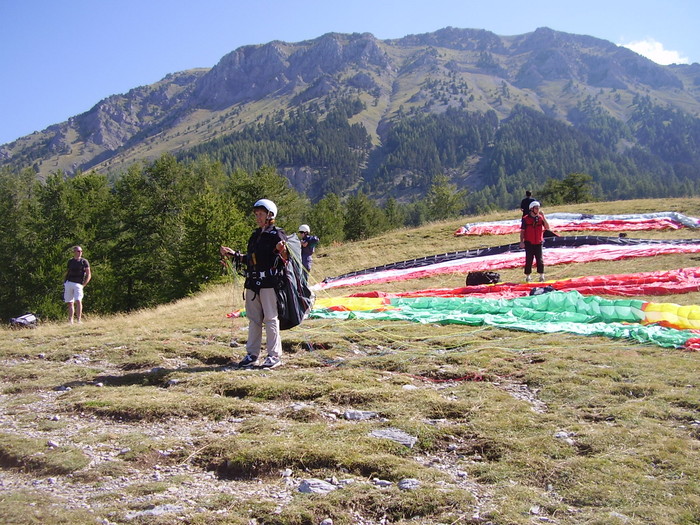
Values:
[(261, 310)]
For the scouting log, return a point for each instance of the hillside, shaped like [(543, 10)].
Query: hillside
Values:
[(140, 419), (625, 116)]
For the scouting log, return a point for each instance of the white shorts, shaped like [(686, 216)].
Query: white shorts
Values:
[(72, 292)]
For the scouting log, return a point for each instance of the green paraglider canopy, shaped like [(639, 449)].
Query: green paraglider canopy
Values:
[(551, 312)]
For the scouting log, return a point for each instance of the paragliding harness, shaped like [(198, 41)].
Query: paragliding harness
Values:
[(294, 298)]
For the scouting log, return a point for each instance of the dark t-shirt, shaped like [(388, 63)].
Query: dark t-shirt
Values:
[(77, 269), (525, 205)]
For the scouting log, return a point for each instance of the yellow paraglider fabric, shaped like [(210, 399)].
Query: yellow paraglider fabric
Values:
[(673, 315)]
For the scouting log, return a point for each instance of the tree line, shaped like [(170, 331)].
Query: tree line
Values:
[(152, 235), (152, 232)]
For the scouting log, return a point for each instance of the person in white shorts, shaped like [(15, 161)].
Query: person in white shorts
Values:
[(78, 274)]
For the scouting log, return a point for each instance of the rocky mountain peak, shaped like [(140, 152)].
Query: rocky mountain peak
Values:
[(451, 67)]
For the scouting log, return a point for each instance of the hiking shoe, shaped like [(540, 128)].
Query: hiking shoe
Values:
[(541, 277), (271, 362), (528, 279), (248, 360)]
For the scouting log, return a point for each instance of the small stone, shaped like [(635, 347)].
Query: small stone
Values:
[(316, 486), (99, 384), (409, 484), (359, 415), (155, 511), (561, 435), (327, 521), (382, 482), (52, 444), (396, 435)]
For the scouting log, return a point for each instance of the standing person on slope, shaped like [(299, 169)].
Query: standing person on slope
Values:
[(78, 274), (308, 246), (266, 246), (525, 203), (532, 229)]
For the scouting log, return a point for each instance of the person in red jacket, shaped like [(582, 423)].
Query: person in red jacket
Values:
[(532, 228)]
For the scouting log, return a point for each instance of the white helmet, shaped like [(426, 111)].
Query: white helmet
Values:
[(268, 205), (305, 228)]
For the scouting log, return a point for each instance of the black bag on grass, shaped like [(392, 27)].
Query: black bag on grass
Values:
[(474, 278)]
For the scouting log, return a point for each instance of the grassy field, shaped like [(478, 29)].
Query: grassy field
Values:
[(140, 419)]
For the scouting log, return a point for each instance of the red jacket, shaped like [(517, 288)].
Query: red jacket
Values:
[(533, 228)]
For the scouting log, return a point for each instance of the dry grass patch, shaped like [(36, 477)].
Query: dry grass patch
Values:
[(24, 508), (347, 506), (133, 403), (314, 448), (39, 456)]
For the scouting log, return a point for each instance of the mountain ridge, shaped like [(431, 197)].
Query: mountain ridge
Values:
[(473, 69)]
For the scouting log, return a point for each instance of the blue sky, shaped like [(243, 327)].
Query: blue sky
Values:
[(58, 58)]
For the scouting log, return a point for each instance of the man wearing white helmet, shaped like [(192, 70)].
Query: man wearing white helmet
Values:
[(308, 245), (266, 246)]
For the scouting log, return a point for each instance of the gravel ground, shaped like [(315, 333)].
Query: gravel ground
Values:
[(185, 488)]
